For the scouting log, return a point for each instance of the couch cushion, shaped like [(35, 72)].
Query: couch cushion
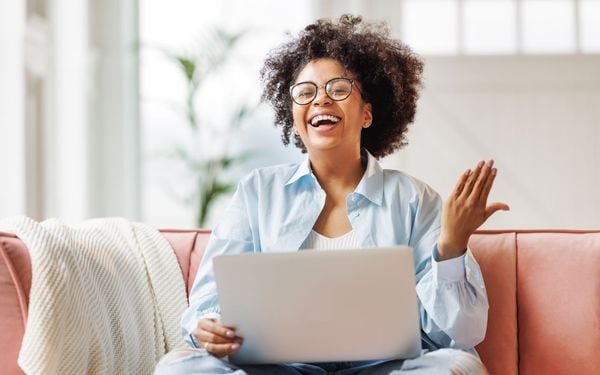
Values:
[(15, 282), (559, 303), (496, 254), (196, 256), (182, 243), (189, 247)]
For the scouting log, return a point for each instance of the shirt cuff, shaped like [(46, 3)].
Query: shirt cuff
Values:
[(450, 270), (194, 341)]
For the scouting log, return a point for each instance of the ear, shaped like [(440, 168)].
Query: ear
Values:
[(367, 115)]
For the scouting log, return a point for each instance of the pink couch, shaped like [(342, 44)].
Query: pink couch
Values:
[(543, 287)]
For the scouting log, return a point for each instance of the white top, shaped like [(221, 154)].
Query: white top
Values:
[(318, 241)]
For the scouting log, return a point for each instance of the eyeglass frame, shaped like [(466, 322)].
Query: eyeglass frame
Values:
[(352, 82)]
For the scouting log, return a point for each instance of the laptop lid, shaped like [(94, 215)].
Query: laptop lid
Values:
[(319, 305)]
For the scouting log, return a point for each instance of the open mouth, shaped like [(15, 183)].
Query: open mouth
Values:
[(320, 120)]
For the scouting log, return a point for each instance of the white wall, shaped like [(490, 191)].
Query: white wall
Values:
[(538, 117)]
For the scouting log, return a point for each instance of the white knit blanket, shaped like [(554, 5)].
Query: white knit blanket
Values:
[(106, 297)]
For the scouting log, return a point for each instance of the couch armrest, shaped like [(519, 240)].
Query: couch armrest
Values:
[(15, 283)]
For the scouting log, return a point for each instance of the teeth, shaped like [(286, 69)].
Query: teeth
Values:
[(315, 120)]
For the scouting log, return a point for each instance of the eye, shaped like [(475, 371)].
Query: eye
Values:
[(307, 93), (303, 91), (339, 90)]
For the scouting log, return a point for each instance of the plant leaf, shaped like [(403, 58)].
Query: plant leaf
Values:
[(188, 67)]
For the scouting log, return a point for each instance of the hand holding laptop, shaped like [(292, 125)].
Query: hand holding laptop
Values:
[(216, 338)]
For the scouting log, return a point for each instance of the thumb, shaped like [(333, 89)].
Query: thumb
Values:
[(496, 206)]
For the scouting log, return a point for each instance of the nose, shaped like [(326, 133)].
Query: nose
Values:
[(322, 98)]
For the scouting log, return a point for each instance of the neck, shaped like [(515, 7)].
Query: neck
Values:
[(337, 170)]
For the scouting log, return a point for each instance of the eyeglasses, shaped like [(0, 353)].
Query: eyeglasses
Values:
[(336, 89)]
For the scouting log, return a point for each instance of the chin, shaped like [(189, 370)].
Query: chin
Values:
[(324, 146)]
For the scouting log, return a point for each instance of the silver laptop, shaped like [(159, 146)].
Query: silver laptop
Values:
[(320, 305)]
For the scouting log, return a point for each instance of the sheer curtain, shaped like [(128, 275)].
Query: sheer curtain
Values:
[(12, 103), (69, 102)]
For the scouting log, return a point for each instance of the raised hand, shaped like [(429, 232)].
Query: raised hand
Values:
[(216, 338), (466, 209)]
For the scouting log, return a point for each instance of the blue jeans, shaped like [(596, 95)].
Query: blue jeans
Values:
[(442, 361)]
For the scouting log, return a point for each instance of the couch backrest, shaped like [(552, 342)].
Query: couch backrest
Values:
[(558, 296), (496, 254), (543, 288), (544, 292), (189, 247)]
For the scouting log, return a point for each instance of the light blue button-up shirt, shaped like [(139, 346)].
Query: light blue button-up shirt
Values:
[(275, 208)]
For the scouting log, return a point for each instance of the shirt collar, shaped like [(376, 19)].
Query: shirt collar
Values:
[(370, 186), (302, 170)]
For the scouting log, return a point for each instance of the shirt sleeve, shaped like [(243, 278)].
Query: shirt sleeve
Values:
[(233, 235), (448, 270), (453, 301)]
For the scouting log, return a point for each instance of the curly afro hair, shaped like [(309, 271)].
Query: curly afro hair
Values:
[(389, 72)]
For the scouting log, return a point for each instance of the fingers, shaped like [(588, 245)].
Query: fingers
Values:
[(487, 187), (465, 209), (217, 338), (478, 180), (482, 179), (496, 206), (469, 184), (461, 182), (215, 327), (206, 336), (221, 350)]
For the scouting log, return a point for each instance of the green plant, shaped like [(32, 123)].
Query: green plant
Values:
[(209, 171)]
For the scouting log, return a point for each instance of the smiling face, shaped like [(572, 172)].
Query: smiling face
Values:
[(325, 124)]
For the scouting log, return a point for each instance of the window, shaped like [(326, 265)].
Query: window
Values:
[(447, 27), (431, 26)]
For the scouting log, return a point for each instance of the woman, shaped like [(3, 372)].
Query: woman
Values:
[(345, 93)]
